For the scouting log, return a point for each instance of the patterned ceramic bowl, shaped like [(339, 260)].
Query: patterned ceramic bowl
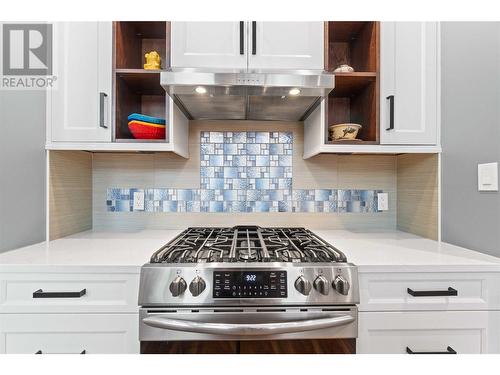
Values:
[(343, 132)]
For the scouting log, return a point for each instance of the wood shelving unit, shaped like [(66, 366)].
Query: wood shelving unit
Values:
[(138, 90), (356, 95)]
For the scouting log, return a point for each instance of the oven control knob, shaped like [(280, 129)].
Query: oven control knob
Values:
[(341, 285), (197, 286), (178, 286), (303, 285), (322, 285)]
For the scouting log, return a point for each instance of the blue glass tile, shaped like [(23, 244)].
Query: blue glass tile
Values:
[(239, 161), (238, 206), (239, 137), (122, 205), (230, 148), (262, 183), (254, 195), (276, 195), (321, 195), (240, 183), (285, 161), (253, 172), (230, 172), (169, 206), (230, 195), (216, 160), (344, 195), (193, 206), (216, 137), (285, 137), (207, 172), (262, 161), (261, 206), (276, 172), (216, 183), (216, 206), (285, 183), (353, 206), (262, 137), (276, 149), (184, 195), (207, 148), (253, 149)]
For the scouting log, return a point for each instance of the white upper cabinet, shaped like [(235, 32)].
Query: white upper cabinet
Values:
[(78, 109), (409, 84), (209, 45), (286, 45), (253, 45)]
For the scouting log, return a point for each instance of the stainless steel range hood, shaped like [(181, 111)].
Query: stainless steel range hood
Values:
[(244, 95)]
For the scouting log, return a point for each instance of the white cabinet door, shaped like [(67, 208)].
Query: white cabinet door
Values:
[(69, 333), (409, 78), (78, 109), (209, 45), (286, 45), (466, 332)]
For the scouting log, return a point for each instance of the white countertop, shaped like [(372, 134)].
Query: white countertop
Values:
[(126, 252)]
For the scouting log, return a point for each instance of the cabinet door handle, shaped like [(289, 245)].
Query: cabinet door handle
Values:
[(242, 38), (254, 37), (432, 293), (391, 112), (103, 99), (449, 350), (82, 352), (41, 294)]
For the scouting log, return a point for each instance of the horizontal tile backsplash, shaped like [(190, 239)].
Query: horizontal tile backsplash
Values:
[(203, 200), (244, 172)]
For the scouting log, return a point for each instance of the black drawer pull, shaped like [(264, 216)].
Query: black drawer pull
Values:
[(391, 112), (433, 293), (82, 352), (41, 294), (449, 350)]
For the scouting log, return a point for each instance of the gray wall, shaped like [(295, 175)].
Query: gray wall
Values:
[(22, 168), (470, 133)]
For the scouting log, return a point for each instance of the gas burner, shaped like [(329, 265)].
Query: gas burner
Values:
[(247, 244)]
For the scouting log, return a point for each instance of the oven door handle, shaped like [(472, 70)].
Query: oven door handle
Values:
[(245, 329)]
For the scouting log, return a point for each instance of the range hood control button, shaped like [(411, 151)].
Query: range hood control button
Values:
[(197, 286), (303, 285), (178, 286)]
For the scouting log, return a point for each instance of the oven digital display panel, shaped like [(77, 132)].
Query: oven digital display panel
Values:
[(250, 284)]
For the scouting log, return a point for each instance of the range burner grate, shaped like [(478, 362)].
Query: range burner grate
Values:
[(247, 244)]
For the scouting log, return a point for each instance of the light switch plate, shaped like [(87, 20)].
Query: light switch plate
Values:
[(487, 177), (383, 201), (138, 201)]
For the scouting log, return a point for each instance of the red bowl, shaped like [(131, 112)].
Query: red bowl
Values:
[(144, 130)]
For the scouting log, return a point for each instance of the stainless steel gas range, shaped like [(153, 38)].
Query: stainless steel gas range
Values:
[(248, 289)]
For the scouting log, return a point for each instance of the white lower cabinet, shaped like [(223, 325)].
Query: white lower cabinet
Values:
[(465, 332), (69, 333)]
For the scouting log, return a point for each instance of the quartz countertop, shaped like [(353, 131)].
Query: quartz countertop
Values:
[(380, 251)]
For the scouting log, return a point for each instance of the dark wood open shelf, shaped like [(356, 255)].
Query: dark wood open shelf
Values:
[(138, 90), (350, 84), (354, 44), (355, 97), (134, 39)]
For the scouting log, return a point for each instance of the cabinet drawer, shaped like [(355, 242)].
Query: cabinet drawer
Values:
[(69, 333), (466, 332), (429, 291), (65, 292)]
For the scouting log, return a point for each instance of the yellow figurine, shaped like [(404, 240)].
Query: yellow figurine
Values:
[(153, 61)]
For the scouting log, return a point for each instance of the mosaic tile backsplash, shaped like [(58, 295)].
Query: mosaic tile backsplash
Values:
[(245, 172)]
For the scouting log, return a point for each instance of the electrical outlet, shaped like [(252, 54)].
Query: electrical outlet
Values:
[(487, 177), (138, 201), (383, 201)]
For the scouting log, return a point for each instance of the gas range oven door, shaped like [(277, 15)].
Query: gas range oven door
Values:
[(249, 330)]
